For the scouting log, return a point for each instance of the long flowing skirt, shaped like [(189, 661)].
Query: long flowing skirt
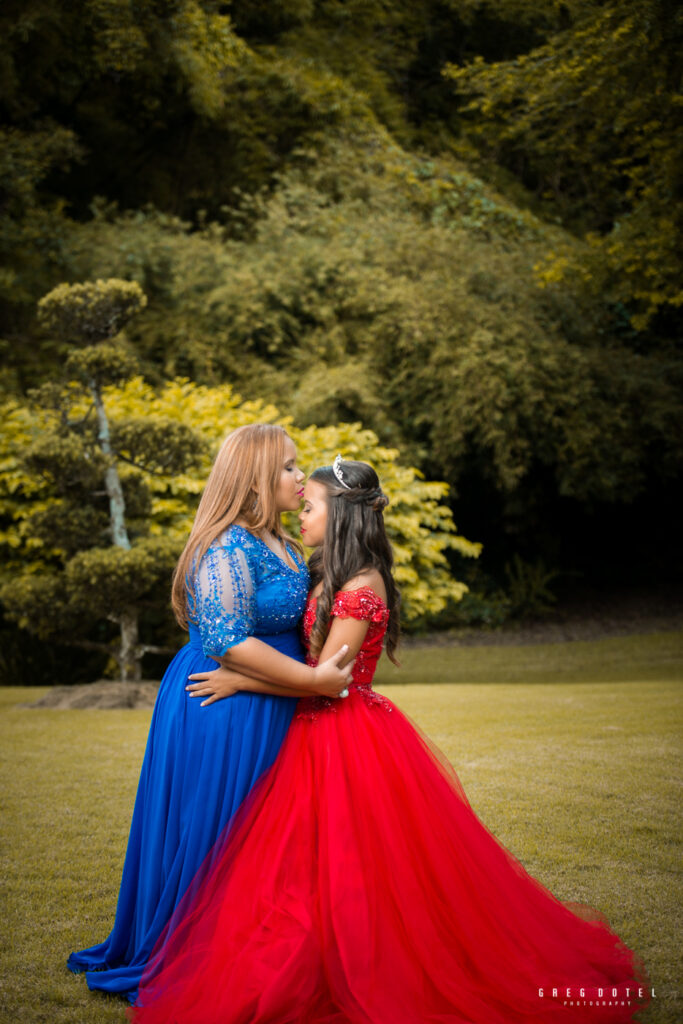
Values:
[(357, 886), (199, 765)]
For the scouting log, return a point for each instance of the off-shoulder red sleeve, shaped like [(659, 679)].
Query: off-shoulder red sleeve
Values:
[(363, 604)]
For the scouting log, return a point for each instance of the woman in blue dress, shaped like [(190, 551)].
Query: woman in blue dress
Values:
[(240, 587)]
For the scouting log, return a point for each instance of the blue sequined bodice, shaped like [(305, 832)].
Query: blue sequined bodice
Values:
[(242, 588)]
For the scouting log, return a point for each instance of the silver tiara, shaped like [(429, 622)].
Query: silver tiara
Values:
[(336, 469)]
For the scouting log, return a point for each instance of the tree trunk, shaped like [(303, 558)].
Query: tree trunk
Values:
[(112, 481), (129, 656)]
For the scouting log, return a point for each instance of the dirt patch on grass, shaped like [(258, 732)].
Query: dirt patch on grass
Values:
[(104, 694)]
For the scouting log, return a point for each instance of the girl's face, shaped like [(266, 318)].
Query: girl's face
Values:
[(313, 515), (289, 490)]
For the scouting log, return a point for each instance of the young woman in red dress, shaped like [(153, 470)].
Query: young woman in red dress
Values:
[(356, 885)]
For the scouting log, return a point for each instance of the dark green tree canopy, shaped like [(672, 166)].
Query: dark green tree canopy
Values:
[(591, 121)]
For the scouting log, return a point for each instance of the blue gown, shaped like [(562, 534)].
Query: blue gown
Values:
[(200, 762)]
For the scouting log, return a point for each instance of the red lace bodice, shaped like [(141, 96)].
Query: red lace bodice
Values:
[(363, 604)]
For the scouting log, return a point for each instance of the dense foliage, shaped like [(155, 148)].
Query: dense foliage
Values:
[(401, 293), (455, 222), (591, 120)]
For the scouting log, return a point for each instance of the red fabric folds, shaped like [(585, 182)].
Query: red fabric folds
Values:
[(357, 886)]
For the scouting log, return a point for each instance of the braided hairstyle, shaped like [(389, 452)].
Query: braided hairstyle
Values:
[(355, 541)]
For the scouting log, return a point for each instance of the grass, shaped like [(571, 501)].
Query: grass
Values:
[(654, 657), (570, 754)]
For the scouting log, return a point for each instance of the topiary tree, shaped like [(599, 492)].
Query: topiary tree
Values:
[(88, 520)]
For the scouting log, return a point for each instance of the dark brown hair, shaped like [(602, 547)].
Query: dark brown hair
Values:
[(355, 541)]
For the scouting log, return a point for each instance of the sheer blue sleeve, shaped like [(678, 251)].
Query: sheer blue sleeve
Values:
[(224, 605)]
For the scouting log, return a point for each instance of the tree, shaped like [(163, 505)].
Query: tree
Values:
[(32, 226), (87, 518), (590, 120)]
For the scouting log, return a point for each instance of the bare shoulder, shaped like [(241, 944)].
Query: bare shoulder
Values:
[(368, 578)]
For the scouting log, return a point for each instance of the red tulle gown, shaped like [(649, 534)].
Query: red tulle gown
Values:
[(357, 886)]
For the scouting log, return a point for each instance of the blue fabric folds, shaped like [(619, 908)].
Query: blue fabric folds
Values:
[(200, 762)]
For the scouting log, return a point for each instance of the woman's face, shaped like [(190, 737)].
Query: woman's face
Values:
[(289, 490), (313, 515)]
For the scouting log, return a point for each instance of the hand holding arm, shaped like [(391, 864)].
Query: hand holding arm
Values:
[(260, 661), (224, 682)]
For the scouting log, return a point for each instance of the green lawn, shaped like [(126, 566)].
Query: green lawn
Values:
[(570, 753), (655, 657)]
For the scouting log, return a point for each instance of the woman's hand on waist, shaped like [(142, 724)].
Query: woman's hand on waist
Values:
[(214, 685)]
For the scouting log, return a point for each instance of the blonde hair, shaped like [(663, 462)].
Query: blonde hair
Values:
[(242, 485)]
